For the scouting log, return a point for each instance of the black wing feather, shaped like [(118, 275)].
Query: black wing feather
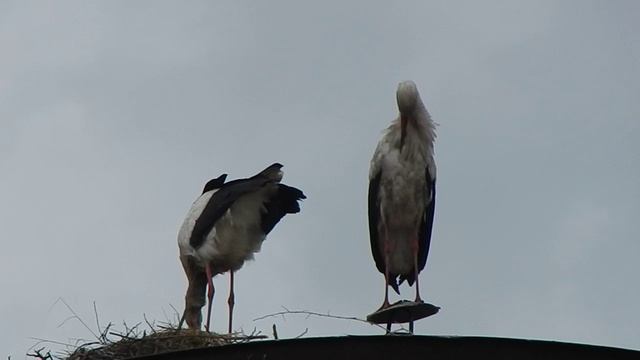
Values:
[(219, 204), (284, 201), (214, 183), (426, 226), (374, 219), (374, 213)]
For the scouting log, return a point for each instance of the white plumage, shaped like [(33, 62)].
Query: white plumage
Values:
[(225, 227), (241, 222), (402, 192)]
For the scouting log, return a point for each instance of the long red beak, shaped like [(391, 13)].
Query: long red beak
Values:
[(403, 130)]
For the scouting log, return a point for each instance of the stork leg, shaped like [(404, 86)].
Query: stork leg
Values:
[(387, 253), (209, 295), (414, 247), (231, 300), (385, 303)]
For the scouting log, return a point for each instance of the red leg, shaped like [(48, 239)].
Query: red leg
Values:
[(231, 300), (387, 254), (385, 304), (415, 269), (209, 295)]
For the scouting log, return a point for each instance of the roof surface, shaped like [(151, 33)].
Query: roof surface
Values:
[(403, 346)]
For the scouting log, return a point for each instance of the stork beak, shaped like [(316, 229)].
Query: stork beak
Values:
[(403, 129)]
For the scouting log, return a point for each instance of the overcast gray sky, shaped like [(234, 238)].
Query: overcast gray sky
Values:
[(115, 113)]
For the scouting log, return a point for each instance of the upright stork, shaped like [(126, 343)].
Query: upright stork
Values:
[(225, 226), (402, 193)]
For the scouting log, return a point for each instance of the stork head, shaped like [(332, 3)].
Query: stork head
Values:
[(407, 97)]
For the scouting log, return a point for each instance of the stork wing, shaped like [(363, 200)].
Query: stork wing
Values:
[(427, 221), (220, 203), (214, 183), (284, 201), (374, 218)]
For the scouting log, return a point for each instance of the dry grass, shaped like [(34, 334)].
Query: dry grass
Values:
[(155, 339), (160, 341), (133, 341)]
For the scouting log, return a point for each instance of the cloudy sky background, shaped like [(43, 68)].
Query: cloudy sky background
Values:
[(114, 114)]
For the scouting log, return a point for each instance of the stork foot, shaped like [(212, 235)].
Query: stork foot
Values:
[(210, 294), (402, 312), (384, 305)]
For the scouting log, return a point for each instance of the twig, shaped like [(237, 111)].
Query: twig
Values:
[(133, 330), (95, 311), (38, 354), (178, 316), (275, 331), (148, 323), (40, 341), (312, 313), (75, 315), (104, 333), (255, 334), (123, 336), (303, 334)]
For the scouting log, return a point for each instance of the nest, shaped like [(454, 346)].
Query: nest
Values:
[(134, 342), (161, 341)]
